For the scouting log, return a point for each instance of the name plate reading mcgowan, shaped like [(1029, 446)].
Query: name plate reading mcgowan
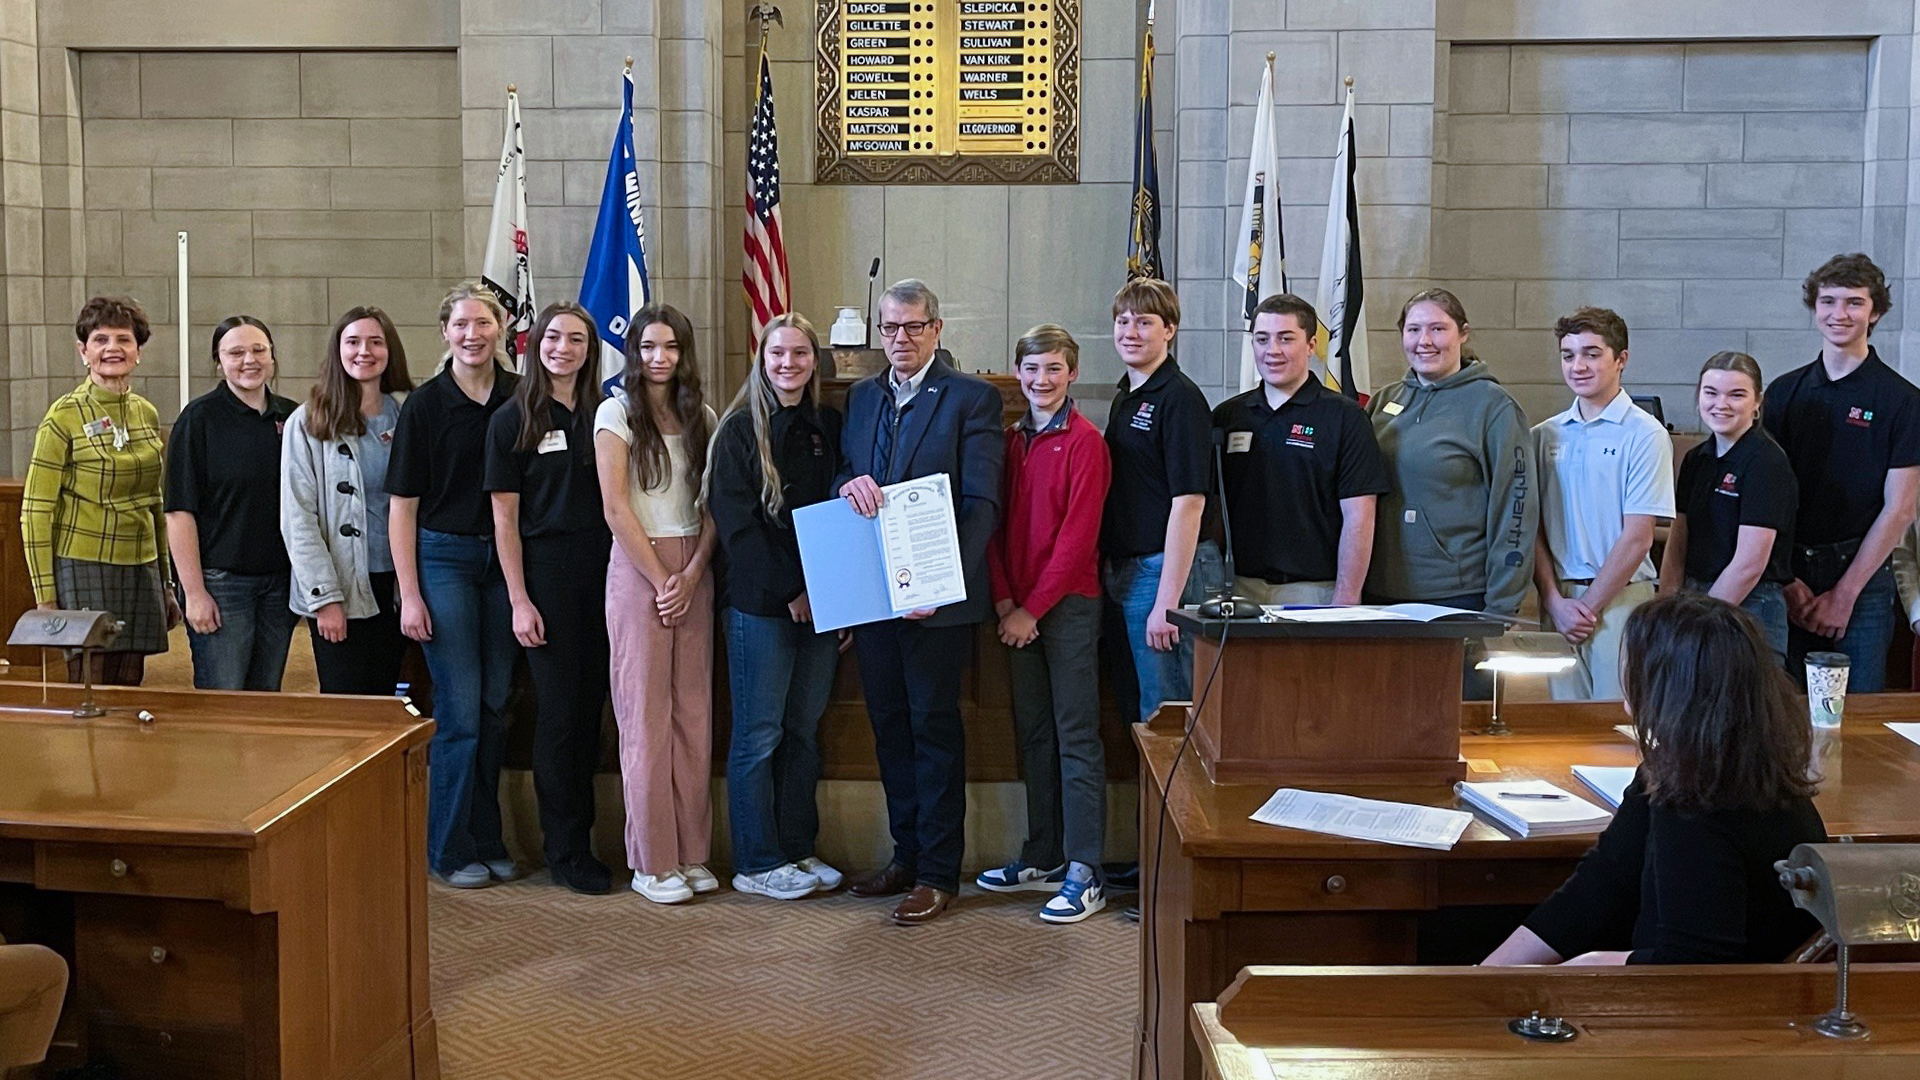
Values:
[(948, 91)]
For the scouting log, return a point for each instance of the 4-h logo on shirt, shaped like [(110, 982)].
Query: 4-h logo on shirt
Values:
[(1142, 418), (1300, 435), (1860, 417), (1729, 485)]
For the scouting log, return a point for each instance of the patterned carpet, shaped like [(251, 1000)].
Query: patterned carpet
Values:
[(530, 981), (533, 981)]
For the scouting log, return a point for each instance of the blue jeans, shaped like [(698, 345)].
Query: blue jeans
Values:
[(1134, 583), (1868, 635), (249, 651), (470, 657), (1766, 603), (780, 673)]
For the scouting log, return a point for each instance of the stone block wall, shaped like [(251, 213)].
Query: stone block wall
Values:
[(565, 59), (1001, 257), (1689, 186), (1388, 47), (308, 182)]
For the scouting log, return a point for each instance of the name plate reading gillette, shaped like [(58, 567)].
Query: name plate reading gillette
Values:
[(948, 91)]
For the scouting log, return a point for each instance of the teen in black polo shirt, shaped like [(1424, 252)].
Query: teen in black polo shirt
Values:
[(453, 599), (1851, 427), (1159, 434), (223, 516), (1301, 471), (550, 533), (1732, 531)]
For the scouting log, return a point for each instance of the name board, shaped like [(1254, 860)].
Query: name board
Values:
[(948, 91)]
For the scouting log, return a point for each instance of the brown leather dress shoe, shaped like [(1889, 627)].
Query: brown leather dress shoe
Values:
[(892, 881), (923, 905)]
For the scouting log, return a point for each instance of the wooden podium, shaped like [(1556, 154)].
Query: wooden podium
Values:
[(1330, 704)]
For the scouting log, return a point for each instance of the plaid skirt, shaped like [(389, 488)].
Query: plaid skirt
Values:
[(130, 593)]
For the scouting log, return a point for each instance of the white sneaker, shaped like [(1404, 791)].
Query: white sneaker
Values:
[(785, 882), (668, 888), (830, 878), (699, 878)]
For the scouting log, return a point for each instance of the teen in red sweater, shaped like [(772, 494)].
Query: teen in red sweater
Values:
[(1045, 567)]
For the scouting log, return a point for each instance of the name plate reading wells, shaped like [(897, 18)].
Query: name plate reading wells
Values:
[(948, 91)]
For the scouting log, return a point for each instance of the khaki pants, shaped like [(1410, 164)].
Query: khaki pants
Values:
[(1293, 592), (1596, 675), (33, 982)]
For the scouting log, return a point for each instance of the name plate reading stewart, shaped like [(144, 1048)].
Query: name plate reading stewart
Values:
[(948, 91)]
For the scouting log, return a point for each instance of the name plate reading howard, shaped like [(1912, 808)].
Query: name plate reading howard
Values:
[(948, 91)]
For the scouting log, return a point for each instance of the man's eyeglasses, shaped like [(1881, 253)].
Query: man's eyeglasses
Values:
[(911, 329)]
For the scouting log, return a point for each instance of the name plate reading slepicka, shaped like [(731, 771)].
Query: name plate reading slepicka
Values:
[(948, 91)]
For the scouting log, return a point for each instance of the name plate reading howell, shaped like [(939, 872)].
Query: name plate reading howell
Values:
[(948, 91)]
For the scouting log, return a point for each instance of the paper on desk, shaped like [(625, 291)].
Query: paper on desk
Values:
[(1909, 732), (1357, 613), (1607, 781), (1364, 819)]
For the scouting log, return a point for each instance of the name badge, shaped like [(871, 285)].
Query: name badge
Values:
[(551, 442), (1393, 408), (386, 436), (1412, 516), (102, 426), (1239, 442)]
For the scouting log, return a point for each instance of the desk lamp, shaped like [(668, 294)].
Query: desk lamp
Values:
[(1863, 894), (83, 630), (1519, 653)]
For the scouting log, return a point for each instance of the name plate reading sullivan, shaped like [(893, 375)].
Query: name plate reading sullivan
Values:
[(948, 91)]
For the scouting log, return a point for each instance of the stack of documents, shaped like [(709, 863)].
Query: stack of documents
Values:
[(1607, 781), (1909, 732), (1533, 807), (1364, 819)]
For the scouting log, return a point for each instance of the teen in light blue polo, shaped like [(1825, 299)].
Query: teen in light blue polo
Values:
[(1606, 477)]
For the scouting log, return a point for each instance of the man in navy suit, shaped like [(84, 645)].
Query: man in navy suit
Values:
[(917, 418)]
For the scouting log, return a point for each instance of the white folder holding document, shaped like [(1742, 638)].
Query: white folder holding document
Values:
[(869, 569)]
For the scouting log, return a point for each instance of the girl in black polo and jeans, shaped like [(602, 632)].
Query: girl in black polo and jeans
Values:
[(223, 516)]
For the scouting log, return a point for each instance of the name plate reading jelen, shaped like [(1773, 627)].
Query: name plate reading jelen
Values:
[(948, 91)]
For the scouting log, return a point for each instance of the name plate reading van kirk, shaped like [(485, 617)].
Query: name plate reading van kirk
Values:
[(948, 91)]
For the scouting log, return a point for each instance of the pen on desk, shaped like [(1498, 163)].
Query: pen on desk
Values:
[(1530, 795)]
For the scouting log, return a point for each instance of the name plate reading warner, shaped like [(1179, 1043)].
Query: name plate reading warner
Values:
[(948, 91)]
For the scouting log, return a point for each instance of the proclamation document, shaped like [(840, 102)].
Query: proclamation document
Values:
[(920, 544)]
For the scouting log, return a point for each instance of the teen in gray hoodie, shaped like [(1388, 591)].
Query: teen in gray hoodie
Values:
[(1458, 525)]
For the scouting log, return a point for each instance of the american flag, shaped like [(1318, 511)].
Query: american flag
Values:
[(768, 291)]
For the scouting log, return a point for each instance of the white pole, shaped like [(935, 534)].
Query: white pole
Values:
[(184, 325)]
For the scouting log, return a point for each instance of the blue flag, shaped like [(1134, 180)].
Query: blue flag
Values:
[(614, 284)]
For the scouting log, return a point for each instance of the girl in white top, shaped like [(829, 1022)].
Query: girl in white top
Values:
[(650, 446)]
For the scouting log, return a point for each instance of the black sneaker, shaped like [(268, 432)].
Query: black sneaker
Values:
[(583, 874)]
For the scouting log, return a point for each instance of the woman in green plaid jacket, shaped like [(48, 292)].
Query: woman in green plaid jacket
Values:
[(91, 516)]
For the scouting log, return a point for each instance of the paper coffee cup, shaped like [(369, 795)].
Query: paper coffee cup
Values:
[(1827, 687)]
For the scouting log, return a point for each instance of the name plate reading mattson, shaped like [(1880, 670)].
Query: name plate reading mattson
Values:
[(948, 91)]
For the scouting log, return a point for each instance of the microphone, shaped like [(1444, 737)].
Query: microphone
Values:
[(1224, 604), (873, 272)]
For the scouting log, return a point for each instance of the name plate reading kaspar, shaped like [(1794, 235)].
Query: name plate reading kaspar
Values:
[(948, 91)]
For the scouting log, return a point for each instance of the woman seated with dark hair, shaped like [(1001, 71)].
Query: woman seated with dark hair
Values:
[(1684, 874)]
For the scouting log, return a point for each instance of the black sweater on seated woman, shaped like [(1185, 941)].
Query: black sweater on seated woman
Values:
[(1684, 888)]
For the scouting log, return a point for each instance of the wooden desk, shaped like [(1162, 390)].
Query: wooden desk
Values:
[(1738, 1022), (1220, 892), (240, 885)]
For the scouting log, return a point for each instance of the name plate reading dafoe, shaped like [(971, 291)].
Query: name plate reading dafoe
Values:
[(948, 91)]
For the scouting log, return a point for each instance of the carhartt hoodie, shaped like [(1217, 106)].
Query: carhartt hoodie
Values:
[(1464, 508)]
